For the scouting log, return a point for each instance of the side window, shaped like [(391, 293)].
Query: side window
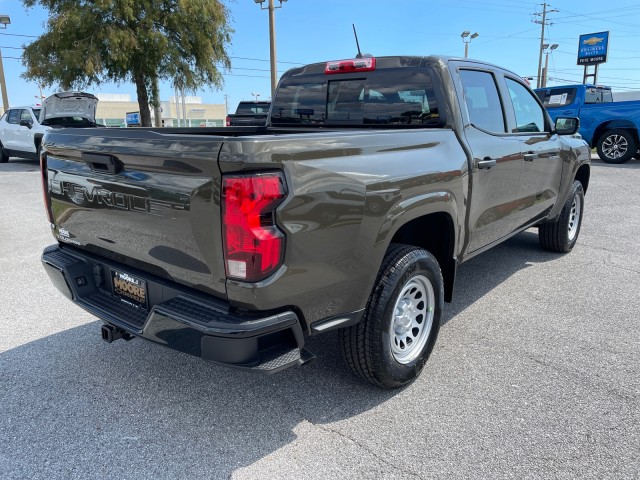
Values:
[(557, 97), (483, 101), (14, 116), (529, 114), (26, 115)]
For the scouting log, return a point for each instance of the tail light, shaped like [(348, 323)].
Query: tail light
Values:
[(366, 64), (253, 245), (45, 183), (228, 121)]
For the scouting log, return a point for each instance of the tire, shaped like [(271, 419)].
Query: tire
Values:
[(562, 235), (391, 344), (4, 158), (617, 146)]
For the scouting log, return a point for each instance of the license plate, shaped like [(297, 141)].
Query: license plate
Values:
[(129, 289)]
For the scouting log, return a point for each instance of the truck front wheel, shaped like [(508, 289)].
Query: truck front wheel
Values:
[(617, 146), (562, 235), (391, 344)]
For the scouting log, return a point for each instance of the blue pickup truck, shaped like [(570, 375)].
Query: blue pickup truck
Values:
[(611, 127)]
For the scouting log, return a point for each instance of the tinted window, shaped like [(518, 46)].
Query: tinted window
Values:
[(483, 102), (529, 114), (394, 96), (558, 97), (36, 112), (14, 116)]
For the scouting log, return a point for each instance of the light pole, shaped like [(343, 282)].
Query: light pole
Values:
[(254, 94), (272, 39), (4, 21), (470, 36), (547, 50)]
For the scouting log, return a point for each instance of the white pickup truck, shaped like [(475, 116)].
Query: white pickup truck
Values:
[(22, 128)]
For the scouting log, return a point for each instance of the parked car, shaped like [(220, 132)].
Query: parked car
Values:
[(611, 127), (249, 114), (372, 181), (22, 128)]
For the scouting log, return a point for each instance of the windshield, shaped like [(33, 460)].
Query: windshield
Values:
[(391, 96)]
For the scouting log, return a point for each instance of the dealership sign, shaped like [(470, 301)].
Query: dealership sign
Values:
[(592, 48), (133, 119)]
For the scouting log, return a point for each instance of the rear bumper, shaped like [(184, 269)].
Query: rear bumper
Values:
[(178, 317)]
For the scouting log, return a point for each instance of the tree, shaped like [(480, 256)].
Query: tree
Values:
[(88, 42)]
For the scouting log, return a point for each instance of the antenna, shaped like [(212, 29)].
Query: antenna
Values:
[(359, 55)]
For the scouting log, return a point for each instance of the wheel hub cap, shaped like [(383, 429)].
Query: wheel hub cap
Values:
[(412, 319)]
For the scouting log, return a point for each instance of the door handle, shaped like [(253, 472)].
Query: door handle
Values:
[(530, 157), (486, 163)]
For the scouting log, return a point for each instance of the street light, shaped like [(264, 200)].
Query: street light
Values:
[(254, 94), (467, 34), (4, 21), (272, 39), (547, 49)]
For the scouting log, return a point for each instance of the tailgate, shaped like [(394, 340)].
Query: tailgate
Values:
[(139, 197)]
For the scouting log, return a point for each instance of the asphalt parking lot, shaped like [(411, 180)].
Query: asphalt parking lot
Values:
[(536, 374)]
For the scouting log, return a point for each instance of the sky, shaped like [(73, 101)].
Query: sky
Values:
[(310, 31)]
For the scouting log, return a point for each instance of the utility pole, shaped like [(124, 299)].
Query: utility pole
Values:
[(272, 39), (543, 23)]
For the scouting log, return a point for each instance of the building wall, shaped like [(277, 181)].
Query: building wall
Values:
[(113, 113)]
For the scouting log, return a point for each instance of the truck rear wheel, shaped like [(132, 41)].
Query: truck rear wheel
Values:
[(391, 344), (617, 146), (4, 158), (562, 235)]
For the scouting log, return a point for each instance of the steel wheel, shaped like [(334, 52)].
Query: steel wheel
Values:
[(615, 146), (412, 319), (574, 217)]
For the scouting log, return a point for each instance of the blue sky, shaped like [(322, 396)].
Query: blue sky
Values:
[(317, 30)]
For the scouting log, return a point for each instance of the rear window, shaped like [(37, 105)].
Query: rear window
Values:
[(558, 97), (253, 108), (400, 96)]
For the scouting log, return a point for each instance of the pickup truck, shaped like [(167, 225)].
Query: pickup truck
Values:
[(611, 127), (249, 114), (350, 210), (22, 128)]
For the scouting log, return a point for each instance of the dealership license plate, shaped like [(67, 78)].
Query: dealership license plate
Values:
[(129, 289)]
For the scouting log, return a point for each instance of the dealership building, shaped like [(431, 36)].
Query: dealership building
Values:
[(113, 109)]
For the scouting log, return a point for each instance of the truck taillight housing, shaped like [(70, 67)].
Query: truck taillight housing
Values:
[(253, 244), (228, 121)]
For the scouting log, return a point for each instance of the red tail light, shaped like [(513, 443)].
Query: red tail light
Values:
[(45, 183), (253, 245), (228, 121), (356, 65)]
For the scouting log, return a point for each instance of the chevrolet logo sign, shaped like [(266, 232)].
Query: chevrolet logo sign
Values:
[(593, 40)]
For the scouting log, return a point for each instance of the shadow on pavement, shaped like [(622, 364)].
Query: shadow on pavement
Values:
[(19, 165), (77, 407)]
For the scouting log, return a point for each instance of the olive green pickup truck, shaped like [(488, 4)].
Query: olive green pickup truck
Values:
[(351, 209)]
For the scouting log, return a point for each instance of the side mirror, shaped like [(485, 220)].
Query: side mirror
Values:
[(567, 125), (26, 123)]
